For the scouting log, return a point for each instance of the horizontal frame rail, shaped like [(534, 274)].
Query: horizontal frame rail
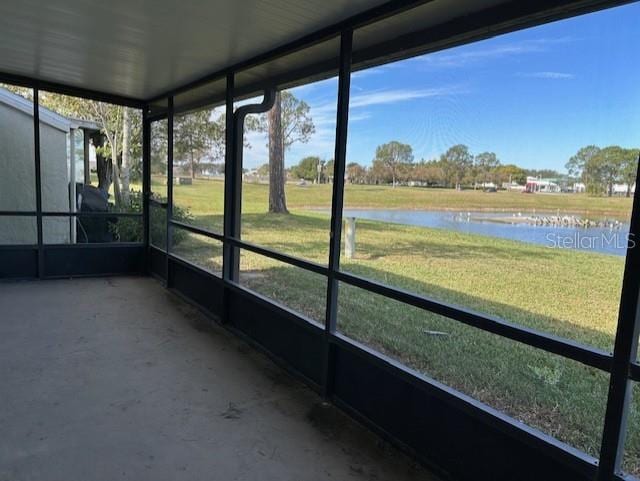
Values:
[(294, 261), (157, 203), (556, 345), (198, 230), (64, 89), (69, 214)]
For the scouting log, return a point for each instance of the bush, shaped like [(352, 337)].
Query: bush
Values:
[(129, 229)]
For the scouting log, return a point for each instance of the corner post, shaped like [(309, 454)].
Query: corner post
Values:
[(342, 121)]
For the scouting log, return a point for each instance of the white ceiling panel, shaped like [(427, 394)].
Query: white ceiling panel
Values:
[(141, 48)]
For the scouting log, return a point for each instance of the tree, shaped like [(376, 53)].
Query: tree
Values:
[(456, 162), (576, 164), (286, 123), (486, 163), (603, 169), (197, 136), (629, 168), (307, 168), (391, 156), (328, 170), (510, 173), (119, 140), (356, 174), (429, 172)]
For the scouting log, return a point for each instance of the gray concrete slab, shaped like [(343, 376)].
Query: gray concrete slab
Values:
[(109, 379)]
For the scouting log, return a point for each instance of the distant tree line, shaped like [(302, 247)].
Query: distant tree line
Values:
[(601, 168), (394, 164), (598, 168)]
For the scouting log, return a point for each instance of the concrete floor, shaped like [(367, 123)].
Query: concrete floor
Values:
[(108, 379)]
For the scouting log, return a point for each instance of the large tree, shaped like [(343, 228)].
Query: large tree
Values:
[(392, 156), (288, 122), (456, 162), (356, 173), (510, 173), (629, 168), (119, 140), (485, 165), (576, 164), (604, 169), (198, 136), (307, 168)]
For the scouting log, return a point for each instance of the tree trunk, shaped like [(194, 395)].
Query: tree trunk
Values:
[(125, 167), (104, 166), (193, 166), (277, 200)]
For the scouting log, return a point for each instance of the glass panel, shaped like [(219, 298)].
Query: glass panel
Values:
[(18, 230), (159, 148), (17, 161), (293, 287), (102, 174), (558, 396), (198, 167), (158, 227), (498, 175), (88, 229), (286, 192), (197, 249)]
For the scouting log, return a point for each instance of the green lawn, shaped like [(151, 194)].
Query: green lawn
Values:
[(565, 292)]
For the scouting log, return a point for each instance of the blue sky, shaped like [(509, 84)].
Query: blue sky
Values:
[(533, 97)]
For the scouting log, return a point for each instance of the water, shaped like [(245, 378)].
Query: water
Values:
[(595, 239)]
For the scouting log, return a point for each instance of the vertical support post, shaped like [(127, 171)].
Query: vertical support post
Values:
[(146, 182), (232, 187), (169, 239), (36, 143), (233, 183), (625, 351), (72, 185), (87, 157), (331, 312), (229, 252)]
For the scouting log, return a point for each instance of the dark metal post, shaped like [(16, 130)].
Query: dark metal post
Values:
[(146, 180), (169, 239), (87, 154), (233, 176), (229, 252), (331, 312), (231, 195), (625, 351), (38, 174)]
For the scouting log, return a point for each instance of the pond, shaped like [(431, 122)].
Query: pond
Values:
[(603, 235)]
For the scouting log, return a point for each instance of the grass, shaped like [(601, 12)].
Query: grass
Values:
[(569, 293)]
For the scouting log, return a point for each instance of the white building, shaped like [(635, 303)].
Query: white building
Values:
[(61, 167), (535, 184)]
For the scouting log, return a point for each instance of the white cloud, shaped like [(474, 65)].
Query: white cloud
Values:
[(547, 75), (401, 95), (464, 55)]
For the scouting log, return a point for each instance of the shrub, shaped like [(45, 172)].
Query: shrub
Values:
[(129, 229)]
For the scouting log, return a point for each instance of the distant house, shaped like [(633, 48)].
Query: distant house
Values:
[(535, 185), (61, 167), (621, 189), (579, 188), (512, 186)]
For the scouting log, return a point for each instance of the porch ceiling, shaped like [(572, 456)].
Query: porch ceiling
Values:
[(144, 48)]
